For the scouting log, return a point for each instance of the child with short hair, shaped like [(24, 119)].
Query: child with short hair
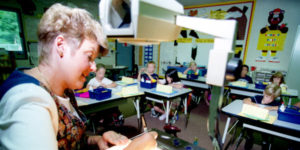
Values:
[(100, 79), (271, 92), (193, 69), (244, 77), (144, 75), (148, 73)]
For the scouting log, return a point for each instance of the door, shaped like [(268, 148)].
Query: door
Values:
[(125, 55)]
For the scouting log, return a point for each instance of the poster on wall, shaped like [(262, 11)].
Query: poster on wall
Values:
[(241, 11), (272, 37), (148, 54), (195, 46)]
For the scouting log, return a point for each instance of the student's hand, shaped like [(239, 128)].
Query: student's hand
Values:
[(177, 85), (142, 70), (144, 142), (272, 108), (103, 85), (111, 138)]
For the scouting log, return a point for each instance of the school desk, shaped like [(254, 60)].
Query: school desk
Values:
[(279, 128), (252, 91), (115, 71), (197, 83), (159, 97), (89, 106)]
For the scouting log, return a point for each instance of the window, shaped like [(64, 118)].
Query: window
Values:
[(11, 31)]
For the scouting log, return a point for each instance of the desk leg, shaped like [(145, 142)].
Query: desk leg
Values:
[(138, 109), (136, 104), (167, 111), (290, 101), (185, 105), (187, 115), (226, 130)]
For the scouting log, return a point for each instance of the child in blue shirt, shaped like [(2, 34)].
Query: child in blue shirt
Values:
[(271, 92), (148, 73), (244, 77)]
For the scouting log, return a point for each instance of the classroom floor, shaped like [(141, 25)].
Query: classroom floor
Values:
[(196, 126)]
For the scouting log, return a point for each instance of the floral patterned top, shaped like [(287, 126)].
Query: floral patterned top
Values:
[(71, 129)]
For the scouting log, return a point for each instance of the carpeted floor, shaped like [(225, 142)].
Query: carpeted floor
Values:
[(197, 126)]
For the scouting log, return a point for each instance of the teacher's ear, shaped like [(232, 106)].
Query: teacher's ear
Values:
[(59, 45)]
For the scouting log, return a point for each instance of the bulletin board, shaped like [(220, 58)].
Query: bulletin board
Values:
[(148, 54), (195, 46), (241, 11)]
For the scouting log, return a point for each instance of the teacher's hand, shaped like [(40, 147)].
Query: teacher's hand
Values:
[(144, 142), (108, 138)]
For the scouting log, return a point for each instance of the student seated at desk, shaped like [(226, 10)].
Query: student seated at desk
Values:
[(100, 79), (171, 78), (244, 77), (271, 92), (278, 78), (149, 73), (193, 69)]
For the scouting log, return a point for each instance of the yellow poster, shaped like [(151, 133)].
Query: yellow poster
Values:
[(271, 40), (204, 40), (184, 40)]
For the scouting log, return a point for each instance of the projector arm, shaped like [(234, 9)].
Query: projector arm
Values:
[(157, 20), (224, 32)]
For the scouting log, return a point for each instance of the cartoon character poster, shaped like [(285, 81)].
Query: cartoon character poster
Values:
[(192, 45), (241, 11), (272, 37)]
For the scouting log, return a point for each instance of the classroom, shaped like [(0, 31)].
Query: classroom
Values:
[(150, 74)]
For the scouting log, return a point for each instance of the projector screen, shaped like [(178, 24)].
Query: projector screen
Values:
[(11, 33)]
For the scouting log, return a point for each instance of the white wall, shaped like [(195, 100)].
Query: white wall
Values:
[(261, 13), (291, 17), (293, 75)]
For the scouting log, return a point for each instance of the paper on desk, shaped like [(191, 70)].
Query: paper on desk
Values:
[(81, 103), (135, 94), (123, 147), (270, 120), (181, 75), (125, 83)]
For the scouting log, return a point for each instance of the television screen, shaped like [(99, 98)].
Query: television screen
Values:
[(10, 31)]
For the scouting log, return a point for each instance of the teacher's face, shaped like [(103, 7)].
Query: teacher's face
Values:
[(79, 63)]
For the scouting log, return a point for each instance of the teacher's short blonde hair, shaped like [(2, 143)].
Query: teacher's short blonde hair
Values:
[(74, 24)]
